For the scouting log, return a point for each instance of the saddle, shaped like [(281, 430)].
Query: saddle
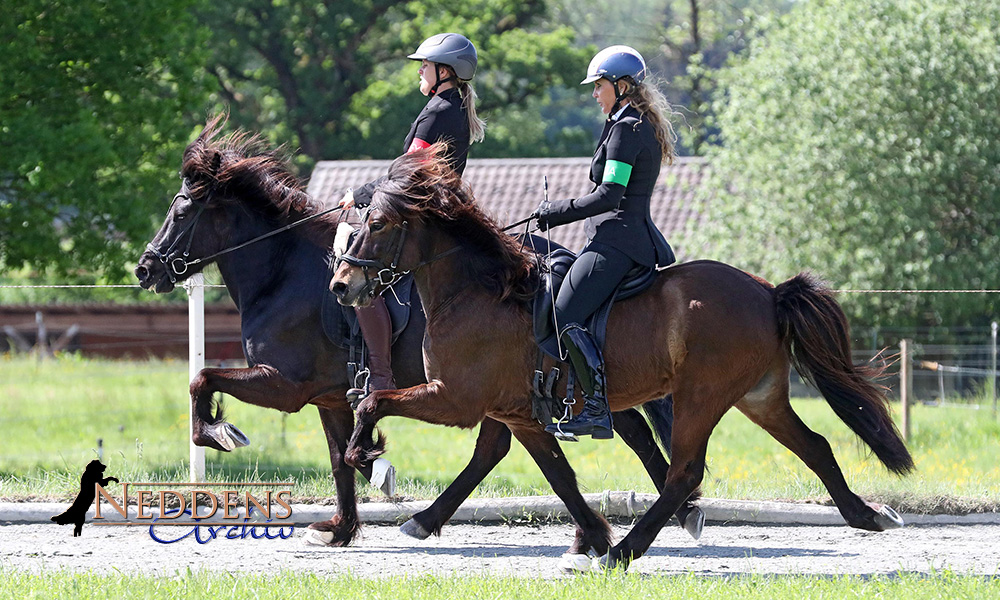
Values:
[(559, 261), (340, 323)]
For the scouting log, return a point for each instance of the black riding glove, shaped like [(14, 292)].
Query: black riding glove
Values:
[(542, 214)]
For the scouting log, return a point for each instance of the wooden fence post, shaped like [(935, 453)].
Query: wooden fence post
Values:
[(905, 384)]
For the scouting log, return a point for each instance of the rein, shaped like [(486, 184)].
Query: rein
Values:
[(178, 265)]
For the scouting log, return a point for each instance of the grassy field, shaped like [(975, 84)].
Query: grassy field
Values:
[(616, 586), (52, 414)]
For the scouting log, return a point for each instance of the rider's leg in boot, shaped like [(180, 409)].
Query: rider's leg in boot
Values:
[(376, 327), (588, 362)]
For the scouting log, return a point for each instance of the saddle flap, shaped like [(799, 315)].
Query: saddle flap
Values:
[(340, 323)]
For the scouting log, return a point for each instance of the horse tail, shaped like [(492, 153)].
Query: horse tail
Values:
[(817, 334), (660, 413)]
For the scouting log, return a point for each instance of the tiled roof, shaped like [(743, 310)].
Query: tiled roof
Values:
[(511, 188)]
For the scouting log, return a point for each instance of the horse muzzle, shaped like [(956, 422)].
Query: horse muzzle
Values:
[(152, 274)]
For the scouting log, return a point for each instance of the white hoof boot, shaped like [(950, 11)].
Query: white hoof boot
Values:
[(414, 530), (384, 476), (888, 518), (695, 522), (574, 563), (315, 537)]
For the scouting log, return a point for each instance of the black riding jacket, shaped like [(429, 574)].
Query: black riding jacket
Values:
[(617, 215), (443, 119)]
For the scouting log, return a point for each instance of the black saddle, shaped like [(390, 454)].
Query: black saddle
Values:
[(340, 323), (636, 281)]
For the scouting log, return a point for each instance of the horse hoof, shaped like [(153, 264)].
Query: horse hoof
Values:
[(888, 518), (695, 522), (315, 537), (384, 476), (227, 435), (414, 530), (574, 563)]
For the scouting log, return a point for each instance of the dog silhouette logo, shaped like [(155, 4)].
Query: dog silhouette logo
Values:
[(77, 513)]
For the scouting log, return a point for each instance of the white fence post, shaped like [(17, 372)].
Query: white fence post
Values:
[(905, 385), (195, 286), (993, 368)]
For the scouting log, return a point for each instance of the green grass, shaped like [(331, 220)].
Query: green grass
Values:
[(52, 414), (612, 587)]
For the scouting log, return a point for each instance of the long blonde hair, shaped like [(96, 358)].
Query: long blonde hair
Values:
[(653, 106), (477, 126)]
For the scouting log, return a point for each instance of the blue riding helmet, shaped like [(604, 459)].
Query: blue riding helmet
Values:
[(615, 62)]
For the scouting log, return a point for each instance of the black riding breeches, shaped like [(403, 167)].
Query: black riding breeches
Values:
[(591, 280)]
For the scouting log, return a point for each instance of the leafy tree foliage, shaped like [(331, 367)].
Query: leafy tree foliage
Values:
[(331, 77), (860, 140), (93, 99)]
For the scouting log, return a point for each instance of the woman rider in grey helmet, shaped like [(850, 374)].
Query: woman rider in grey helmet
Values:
[(447, 62), (637, 138)]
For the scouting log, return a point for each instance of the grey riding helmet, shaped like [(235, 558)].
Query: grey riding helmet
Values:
[(615, 62), (452, 49)]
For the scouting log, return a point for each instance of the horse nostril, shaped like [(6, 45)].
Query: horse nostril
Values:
[(339, 288), (141, 273)]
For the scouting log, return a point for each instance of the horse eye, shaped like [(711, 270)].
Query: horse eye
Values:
[(376, 226)]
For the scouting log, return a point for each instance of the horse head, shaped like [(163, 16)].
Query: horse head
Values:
[(221, 180), (421, 213)]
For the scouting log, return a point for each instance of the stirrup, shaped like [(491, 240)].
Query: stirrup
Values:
[(355, 397)]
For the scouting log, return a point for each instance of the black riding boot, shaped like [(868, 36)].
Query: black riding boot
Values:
[(588, 362), (376, 328)]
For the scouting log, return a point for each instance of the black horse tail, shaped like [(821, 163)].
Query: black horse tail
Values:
[(661, 416), (816, 331)]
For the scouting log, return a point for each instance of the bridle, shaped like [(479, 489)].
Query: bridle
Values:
[(387, 275), (177, 265)]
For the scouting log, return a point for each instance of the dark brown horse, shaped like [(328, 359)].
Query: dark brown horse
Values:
[(712, 335), (236, 189)]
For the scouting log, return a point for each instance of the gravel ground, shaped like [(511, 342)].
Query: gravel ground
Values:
[(519, 550)]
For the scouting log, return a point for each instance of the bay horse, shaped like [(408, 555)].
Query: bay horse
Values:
[(235, 189), (710, 334)]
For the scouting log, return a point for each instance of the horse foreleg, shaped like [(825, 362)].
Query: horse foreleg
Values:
[(635, 432), (343, 527), (428, 402), (261, 385), (593, 531), (492, 445)]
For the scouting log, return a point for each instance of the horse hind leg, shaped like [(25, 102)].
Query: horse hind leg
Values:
[(343, 527), (768, 406)]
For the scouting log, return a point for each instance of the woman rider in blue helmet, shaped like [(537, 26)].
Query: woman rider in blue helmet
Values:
[(637, 138), (447, 63)]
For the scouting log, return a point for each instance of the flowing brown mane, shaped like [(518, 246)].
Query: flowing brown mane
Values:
[(242, 167), (422, 186)]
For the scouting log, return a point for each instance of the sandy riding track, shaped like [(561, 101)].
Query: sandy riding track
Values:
[(733, 542)]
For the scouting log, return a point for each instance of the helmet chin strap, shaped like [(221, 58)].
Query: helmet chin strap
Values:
[(619, 96), (438, 81)]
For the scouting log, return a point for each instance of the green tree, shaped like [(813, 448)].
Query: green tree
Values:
[(94, 98), (859, 140), (331, 78)]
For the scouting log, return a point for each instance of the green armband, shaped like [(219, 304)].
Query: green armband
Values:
[(617, 172)]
